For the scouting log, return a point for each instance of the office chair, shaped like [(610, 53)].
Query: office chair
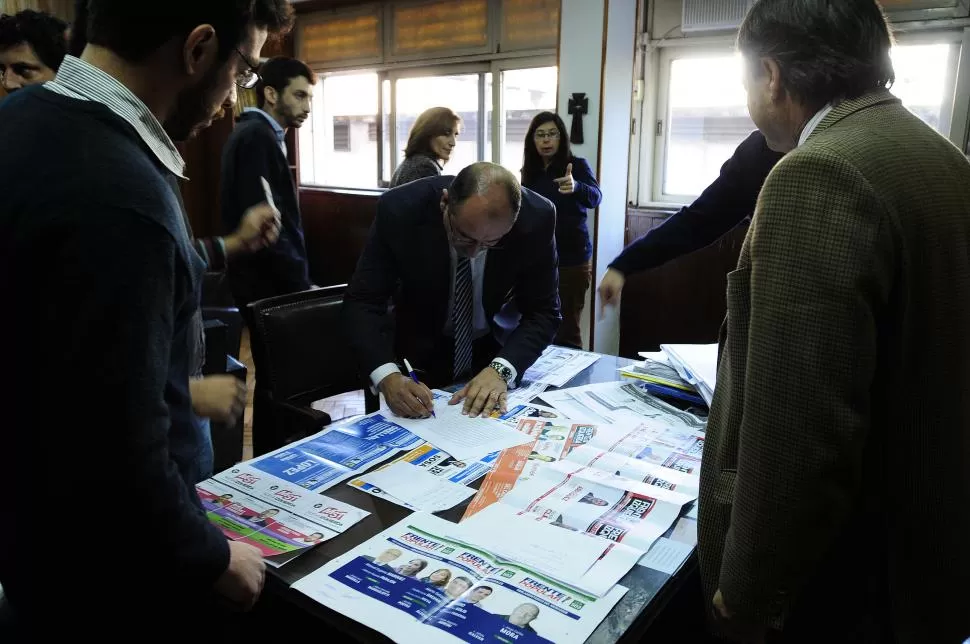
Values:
[(300, 355)]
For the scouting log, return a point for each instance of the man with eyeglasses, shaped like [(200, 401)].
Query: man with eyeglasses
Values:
[(106, 282), (471, 264), (32, 46), (256, 151)]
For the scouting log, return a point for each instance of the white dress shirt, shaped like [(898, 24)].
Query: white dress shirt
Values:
[(480, 326), (813, 123)]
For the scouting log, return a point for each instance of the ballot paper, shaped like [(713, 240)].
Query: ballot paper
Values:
[(276, 517), (558, 365), (615, 402), (463, 437), (415, 582), (525, 392), (417, 487), (584, 561), (667, 555)]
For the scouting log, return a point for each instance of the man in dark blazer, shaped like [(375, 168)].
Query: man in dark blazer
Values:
[(835, 489), (723, 205), (256, 151), (471, 264)]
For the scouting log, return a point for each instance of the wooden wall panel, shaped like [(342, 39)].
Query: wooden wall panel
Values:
[(680, 302), (336, 225)]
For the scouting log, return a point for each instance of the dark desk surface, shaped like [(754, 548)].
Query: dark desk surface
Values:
[(649, 590)]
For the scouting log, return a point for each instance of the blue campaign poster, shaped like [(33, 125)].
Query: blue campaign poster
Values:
[(323, 460), (378, 429), (430, 605)]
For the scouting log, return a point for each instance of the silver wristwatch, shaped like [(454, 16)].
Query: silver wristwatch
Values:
[(503, 371)]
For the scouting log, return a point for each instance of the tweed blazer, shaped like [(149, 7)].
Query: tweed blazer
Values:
[(836, 473)]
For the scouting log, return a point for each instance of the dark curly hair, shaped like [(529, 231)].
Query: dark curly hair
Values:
[(45, 34)]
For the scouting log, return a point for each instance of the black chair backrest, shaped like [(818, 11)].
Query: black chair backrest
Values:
[(299, 347)]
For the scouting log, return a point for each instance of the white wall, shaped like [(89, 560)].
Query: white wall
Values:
[(614, 160), (606, 128), (580, 64)]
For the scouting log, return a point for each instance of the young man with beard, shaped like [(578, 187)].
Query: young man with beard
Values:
[(257, 151), (96, 256)]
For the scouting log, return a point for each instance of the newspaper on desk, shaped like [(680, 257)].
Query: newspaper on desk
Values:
[(663, 453), (278, 518), (558, 365), (614, 402), (417, 583)]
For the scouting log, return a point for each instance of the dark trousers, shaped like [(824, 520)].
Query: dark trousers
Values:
[(573, 285)]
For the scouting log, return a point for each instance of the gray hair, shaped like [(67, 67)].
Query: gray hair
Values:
[(827, 50)]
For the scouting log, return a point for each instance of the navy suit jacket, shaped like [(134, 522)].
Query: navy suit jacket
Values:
[(407, 258)]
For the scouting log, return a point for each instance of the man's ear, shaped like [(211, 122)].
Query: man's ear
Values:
[(444, 200), (772, 72), (270, 96), (200, 50)]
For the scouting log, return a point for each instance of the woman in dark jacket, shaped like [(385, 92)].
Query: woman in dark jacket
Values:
[(430, 143), (568, 182)]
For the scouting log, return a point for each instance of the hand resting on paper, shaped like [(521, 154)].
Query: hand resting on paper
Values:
[(407, 398), (487, 392)]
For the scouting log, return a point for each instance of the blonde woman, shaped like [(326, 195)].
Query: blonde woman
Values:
[(430, 143)]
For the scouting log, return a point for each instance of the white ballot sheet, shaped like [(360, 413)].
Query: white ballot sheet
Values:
[(616, 402), (462, 437), (525, 392), (417, 487), (667, 555), (499, 527), (416, 583), (558, 365)]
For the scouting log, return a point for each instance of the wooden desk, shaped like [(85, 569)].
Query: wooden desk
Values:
[(630, 620)]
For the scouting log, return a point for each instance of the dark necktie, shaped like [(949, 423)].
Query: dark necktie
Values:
[(461, 317)]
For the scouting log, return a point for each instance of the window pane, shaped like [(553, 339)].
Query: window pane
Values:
[(529, 24), (707, 119), (386, 139), (921, 75), (525, 93), (353, 36), (338, 144), (460, 93)]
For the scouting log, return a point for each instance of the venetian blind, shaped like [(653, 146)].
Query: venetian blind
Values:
[(442, 26), (529, 24), (331, 38)]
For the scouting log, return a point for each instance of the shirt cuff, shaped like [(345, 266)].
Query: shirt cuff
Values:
[(506, 363), (382, 372)]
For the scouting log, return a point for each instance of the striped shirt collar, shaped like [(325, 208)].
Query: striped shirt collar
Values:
[(83, 81)]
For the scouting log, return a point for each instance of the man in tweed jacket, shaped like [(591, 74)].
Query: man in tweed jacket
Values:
[(835, 490)]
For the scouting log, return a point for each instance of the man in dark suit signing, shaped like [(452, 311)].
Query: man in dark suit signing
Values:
[(835, 489), (471, 264)]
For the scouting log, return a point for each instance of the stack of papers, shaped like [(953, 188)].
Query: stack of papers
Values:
[(697, 364)]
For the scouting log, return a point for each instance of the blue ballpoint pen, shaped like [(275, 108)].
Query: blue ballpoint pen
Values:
[(414, 377)]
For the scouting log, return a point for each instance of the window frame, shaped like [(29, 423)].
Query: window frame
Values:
[(393, 73), (647, 192)]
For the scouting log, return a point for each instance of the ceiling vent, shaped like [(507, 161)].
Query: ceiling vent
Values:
[(702, 16)]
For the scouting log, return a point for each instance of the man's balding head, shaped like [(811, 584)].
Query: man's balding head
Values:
[(480, 207)]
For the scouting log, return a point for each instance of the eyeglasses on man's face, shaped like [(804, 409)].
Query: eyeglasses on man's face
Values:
[(248, 77), (461, 240), (547, 134)]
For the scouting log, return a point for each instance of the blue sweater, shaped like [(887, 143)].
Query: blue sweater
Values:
[(103, 284), (572, 233)]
